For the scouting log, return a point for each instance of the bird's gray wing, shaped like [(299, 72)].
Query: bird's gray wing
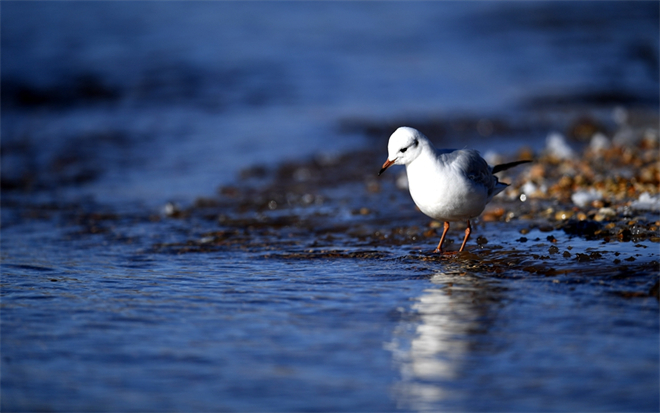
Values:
[(476, 169)]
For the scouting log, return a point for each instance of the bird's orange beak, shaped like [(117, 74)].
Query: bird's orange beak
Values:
[(386, 165)]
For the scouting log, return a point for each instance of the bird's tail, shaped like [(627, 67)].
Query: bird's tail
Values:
[(505, 166)]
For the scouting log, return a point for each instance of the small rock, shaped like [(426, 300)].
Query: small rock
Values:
[(555, 145), (585, 228), (646, 202), (583, 198), (563, 215), (599, 143)]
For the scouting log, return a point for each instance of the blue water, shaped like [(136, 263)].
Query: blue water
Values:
[(131, 330), (112, 109), (201, 90)]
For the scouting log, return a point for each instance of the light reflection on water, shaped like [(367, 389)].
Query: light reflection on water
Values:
[(514, 344), (435, 356)]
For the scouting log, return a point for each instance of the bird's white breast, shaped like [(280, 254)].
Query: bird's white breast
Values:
[(442, 191)]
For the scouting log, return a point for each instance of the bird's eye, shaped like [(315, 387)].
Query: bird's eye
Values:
[(403, 150)]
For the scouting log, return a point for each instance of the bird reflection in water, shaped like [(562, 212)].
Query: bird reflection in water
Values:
[(431, 347)]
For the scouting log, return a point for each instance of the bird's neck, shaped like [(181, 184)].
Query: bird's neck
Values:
[(423, 163)]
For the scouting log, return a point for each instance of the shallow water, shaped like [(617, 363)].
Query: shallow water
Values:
[(101, 316), (308, 285)]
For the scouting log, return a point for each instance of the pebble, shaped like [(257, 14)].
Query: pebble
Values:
[(563, 215), (604, 213)]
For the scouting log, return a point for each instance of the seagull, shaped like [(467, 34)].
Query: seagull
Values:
[(446, 184)]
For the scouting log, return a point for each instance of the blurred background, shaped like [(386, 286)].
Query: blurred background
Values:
[(122, 291), (155, 101)]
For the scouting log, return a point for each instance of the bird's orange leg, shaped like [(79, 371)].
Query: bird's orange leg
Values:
[(468, 230), (442, 238)]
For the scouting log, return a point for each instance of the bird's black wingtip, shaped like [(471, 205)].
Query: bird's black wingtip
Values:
[(505, 166)]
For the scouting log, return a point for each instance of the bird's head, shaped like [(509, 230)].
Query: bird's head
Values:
[(404, 146)]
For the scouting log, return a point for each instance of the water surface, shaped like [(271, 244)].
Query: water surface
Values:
[(326, 299)]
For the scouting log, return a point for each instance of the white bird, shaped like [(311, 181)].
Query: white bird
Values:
[(447, 185)]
